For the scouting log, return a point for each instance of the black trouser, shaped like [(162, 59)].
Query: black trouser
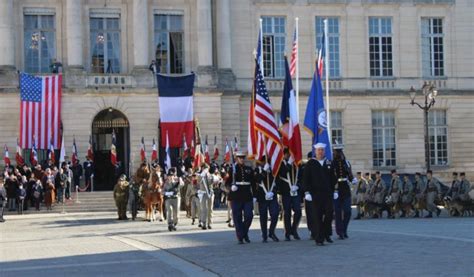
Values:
[(308, 207), (322, 214)]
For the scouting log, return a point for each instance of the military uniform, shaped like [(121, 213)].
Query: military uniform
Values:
[(464, 188), (289, 188), (394, 193), (318, 185), (134, 196), (206, 198), (361, 196), (121, 197), (378, 195), (420, 199), (267, 202), (88, 167), (171, 192), (431, 191), (242, 191), (406, 193), (193, 200), (342, 204)]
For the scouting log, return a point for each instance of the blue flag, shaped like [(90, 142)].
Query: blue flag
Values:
[(315, 117)]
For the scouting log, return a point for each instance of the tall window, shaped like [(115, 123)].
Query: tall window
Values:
[(333, 42), (105, 44), (336, 127), (380, 46), (432, 47), (438, 135), (273, 46), (39, 43), (169, 43), (383, 138)]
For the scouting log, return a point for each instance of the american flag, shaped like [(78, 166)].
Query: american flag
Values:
[(321, 54), (294, 55), (40, 110), (265, 123)]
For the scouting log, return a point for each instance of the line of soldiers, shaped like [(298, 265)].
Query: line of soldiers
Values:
[(404, 198)]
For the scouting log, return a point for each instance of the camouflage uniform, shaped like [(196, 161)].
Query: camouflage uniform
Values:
[(121, 197), (431, 191)]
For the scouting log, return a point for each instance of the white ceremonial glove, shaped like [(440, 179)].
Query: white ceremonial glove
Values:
[(234, 188), (269, 195), (254, 200), (308, 197), (336, 195), (354, 181), (92, 175), (294, 188), (169, 193), (267, 167)]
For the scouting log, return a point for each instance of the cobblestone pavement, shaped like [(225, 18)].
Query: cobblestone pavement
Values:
[(96, 244)]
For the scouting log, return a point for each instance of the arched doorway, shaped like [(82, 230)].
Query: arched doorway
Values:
[(104, 123)]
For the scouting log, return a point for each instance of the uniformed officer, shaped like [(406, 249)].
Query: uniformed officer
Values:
[(406, 195), (88, 167), (465, 188), (226, 190), (378, 194), (193, 199), (267, 199), (361, 192), (318, 186), (121, 197), (394, 193), (453, 191), (206, 196), (289, 187), (342, 197), (431, 192), (171, 189), (242, 191), (418, 189)]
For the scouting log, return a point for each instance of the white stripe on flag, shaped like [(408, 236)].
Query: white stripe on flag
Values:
[(56, 111), (43, 107), (169, 112), (50, 108)]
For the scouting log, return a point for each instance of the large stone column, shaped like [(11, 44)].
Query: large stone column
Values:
[(205, 70), (74, 69), (143, 76), (224, 47), (7, 45)]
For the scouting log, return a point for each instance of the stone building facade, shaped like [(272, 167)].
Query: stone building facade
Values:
[(378, 50)]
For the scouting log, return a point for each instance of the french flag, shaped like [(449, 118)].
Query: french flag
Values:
[(154, 152), (142, 150), (227, 151), (6, 157), (19, 156), (176, 108)]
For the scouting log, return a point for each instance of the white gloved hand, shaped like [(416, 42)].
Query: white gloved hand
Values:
[(294, 188), (254, 200), (269, 195), (336, 195), (234, 188), (308, 197), (267, 167), (354, 181)]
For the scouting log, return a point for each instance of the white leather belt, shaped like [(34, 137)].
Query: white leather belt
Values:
[(242, 183), (342, 179)]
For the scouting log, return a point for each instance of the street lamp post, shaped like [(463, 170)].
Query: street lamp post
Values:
[(429, 92)]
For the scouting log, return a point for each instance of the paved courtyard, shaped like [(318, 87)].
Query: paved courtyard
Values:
[(95, 244)]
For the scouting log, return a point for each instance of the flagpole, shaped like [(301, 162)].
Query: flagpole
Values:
[(297, 69), (326, 65), (260, 59)]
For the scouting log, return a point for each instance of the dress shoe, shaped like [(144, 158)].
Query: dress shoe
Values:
[(241, 241), (346, 236), (230, 225), (274, 237), (200, 225), (287, 238), (209, 227), (246, 239), (174, 228), (204, 227), (341, 237), (328, 239), (227, 221), (264, 240), (296, 236), (170, 228), (192, 223)]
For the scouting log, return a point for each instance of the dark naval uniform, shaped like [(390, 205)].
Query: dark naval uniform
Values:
[(342, 205), (267, 202), (289, 188), (88, 167), (241, 198), (318, 181)]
